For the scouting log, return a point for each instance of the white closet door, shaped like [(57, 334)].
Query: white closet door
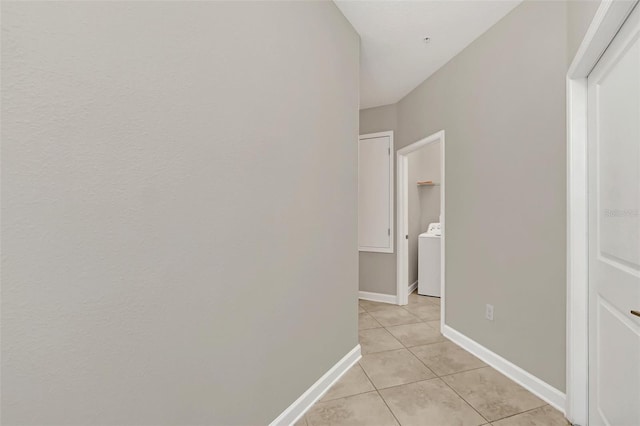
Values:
[(614, 231), (375, 192)]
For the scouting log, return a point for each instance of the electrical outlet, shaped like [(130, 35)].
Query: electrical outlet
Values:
[(489, 312)]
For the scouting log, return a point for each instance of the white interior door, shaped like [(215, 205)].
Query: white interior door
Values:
[(375, 193), (614, 231)]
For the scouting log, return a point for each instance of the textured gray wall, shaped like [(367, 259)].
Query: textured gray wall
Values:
[(378, 270), (501, 102), (178, 209)]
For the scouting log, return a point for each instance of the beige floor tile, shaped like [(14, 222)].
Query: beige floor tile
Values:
[(429, 403), (377, 340), (370, 306), (392, 368), (434, 324), (301, 422), (434, 300), (366, 321), (492, 394), (415, 334), (353, 382), (394, 316), (366, 409), (425, 311), (446, 358), (543, 416), (415, 298)]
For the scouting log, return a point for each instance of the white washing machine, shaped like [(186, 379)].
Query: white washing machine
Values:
[(429, 261)]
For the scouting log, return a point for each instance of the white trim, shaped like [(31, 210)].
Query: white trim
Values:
[(605, 24), (377, 297), (412, 287), (607, 21), (402, 273), (296, 410), (391, 194), (402, 256), (442, 239), (541, 389), (377, 135), (577, 368)]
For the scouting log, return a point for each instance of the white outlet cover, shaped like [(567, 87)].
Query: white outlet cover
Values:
[(489, 312)]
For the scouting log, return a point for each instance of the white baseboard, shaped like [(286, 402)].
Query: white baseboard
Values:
[(525, 379), (412, 287), (378, 297), (296, 410)]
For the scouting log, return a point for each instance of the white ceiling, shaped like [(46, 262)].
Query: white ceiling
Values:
[(394, 59)]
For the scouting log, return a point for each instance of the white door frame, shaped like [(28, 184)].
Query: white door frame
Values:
[(607, 21), (402, 268)]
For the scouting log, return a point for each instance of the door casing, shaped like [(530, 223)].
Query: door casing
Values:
[(607, 21)]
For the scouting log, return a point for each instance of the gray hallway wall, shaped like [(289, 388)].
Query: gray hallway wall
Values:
[(179, 195), (378, 270), (501, 102)]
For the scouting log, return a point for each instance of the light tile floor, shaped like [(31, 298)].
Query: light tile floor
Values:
[(410, 374)]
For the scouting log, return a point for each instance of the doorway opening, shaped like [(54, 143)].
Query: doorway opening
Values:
[(410, 224)]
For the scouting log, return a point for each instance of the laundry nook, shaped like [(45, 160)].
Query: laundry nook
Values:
[(424, 218), (429, 261)]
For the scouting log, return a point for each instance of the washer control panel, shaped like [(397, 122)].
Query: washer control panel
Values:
[(434, 229)]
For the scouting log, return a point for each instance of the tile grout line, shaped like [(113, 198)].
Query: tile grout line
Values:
[(436, 377), (377, 390), (414, 355), (427, 367), (388, 408), (447, 384), (380, 395), (349, 396), (467, 402), (403, 346), (523, 412), (408, 348), (425, 344), (436, 374), (464, 371), (404, 384)]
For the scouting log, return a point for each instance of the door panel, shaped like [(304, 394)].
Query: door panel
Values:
[(617, 343), (374, 194), (614, 231)]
